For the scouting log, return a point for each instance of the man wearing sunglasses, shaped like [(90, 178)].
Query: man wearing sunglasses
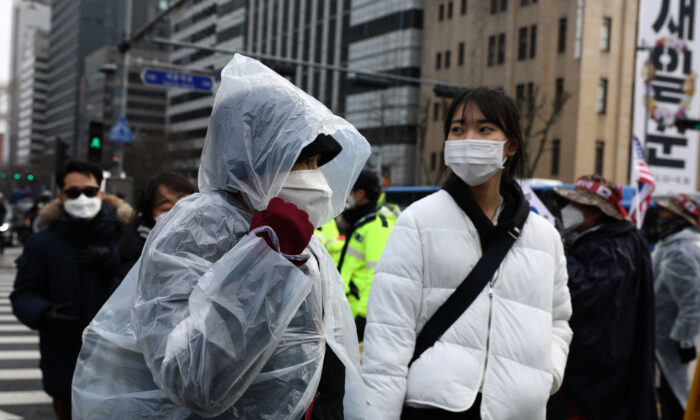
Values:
[(65, 271)]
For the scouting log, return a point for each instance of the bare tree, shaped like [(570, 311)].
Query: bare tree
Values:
[(538, 116)]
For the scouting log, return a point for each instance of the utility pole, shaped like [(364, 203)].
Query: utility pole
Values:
[(124, 49)]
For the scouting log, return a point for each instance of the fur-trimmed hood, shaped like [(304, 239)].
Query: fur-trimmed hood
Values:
[(52, 211)]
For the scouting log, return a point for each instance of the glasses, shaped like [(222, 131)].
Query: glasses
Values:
[(74, 192)]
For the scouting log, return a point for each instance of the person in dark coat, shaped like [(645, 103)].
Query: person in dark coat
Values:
[(160, 195), (64, 273), (610, 370)]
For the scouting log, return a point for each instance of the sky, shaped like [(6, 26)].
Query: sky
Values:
[(5, 37)]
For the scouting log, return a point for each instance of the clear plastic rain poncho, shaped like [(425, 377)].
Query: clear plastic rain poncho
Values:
[(212, 322), (676, 263)]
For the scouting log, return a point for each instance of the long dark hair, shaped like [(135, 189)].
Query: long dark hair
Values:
[(173, 181), (502, 110)]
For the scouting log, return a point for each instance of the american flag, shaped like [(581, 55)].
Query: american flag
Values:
[(644, 184)]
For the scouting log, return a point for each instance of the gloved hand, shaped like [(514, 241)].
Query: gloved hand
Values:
[(57, 320), (291, 225), (93, 256), (687, 354)]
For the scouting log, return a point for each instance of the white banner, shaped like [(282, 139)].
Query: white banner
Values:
[(666, 72)]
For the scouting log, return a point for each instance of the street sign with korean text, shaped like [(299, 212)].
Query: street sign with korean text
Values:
[(666, 80), (174, 79), (121, 133)]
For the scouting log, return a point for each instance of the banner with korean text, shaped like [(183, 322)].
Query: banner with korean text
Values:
[(666, 87)]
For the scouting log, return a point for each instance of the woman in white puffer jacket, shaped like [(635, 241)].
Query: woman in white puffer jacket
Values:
[(504, 356)]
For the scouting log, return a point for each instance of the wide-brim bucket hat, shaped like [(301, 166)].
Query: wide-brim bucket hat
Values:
[(596, 191), (683, 206)]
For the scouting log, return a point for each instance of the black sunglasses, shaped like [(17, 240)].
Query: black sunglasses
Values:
[(74, 192)]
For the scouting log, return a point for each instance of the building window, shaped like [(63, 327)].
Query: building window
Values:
[(494, 6), (436, 111), (558, 90), (464, 7), (520, 94), (447, 59), (433, 161), (605, 34), (530, 94), (533, 41), (449, 10), (441, 12), (460, 54), (562, 35), (599, 151), (556, 153), (602, 95), (492, 51), (501, 48), (504, 5), (524, 2), (438, 61), (522, 44)]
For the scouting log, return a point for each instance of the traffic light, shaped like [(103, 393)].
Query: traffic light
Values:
[(95, 142), (683, 124), (17, 175), (3, 175), (30, 177)]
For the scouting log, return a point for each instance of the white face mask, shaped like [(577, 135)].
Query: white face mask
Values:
[(571, 217), (83, 207), (309, 190), (474, 161), (350, 202)]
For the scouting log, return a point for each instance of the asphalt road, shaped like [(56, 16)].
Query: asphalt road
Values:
[(21, 394)]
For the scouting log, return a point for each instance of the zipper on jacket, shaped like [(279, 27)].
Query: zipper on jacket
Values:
[(488, 329)]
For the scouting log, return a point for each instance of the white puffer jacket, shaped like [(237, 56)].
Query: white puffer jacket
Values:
[(517, 362)]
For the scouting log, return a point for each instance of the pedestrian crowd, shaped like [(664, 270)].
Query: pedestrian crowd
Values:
[(286, 286)]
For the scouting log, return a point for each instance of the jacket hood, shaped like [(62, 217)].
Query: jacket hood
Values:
[(52, 211), (259, 124)]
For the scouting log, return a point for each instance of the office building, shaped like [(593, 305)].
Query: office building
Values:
[(379, 35), (28, 72), (538, 51)]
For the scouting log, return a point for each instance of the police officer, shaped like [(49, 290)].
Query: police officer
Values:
[(368, 231), (332, 240)]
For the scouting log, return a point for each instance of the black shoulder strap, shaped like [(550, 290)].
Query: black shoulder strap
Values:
[(368, 218), (466, 293)]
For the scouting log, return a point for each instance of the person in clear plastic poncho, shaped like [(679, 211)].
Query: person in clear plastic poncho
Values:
[(676, 264), (212, 321)]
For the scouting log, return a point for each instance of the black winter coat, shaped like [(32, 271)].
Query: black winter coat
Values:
[(610, 371), (48, 274)]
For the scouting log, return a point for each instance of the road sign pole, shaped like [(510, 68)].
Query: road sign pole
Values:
[(125, 82)]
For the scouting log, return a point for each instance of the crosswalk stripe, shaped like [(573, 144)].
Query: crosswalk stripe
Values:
[(17, 327), (19, 354), (19, 374), (8, 318), (19, 339), (24, 398), (4, 415)]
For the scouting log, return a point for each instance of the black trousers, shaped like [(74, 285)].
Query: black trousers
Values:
[(473, 413), (671, 408)]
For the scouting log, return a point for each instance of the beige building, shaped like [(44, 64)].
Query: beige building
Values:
[(540, 49)]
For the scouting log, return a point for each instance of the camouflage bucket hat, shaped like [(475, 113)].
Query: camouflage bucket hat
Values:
[(683, 206), (594, 190)]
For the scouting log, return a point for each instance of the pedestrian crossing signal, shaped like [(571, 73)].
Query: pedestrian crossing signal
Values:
[(95, 134)]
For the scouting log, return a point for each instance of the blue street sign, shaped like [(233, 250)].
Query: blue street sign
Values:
[(175, 79), (121, 132)]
